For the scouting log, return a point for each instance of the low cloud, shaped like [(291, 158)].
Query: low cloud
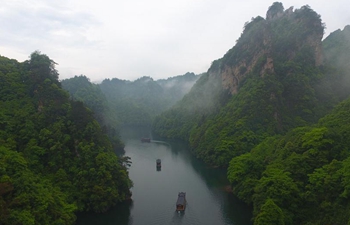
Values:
[(131, 39)]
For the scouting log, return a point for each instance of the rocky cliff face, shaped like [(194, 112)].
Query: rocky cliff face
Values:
[(281, 36), (262, 86)]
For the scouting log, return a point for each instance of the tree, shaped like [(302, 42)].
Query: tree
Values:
[(270, 214), (274, 10)]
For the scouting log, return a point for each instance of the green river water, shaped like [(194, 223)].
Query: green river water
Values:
[(155, 191)]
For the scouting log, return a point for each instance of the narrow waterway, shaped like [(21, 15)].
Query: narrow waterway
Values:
[(155, 190)]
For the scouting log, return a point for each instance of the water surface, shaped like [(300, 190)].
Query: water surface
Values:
[(155, 191)]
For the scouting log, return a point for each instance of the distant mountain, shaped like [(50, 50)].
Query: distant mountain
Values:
[(337, 47), (176, 87), (337, 53), (120, 102), (81, 89)]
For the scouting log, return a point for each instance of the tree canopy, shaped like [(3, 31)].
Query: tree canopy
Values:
[(55, 159), (275, 110)]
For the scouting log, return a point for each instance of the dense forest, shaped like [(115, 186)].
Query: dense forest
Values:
[(274, 111), (129, 103), (301, 177), (55, 159)]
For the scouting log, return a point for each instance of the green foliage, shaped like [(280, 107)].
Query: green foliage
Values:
[(54, 158), (255, 111), (248, 45), (275, 8), (244, 171), (194, 109), (304, 172), (270, 214), (40, 67), (278, 87), (81, 89), (26, 198), (242, 175)]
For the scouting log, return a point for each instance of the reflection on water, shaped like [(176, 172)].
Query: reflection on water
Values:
[(155, 189), (119, 214)]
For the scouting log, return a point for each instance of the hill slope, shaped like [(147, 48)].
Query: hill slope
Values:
[(275, 78), (54, 158), (303, 174), (119, 102)]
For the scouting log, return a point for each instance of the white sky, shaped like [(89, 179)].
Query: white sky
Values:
[(128, 39)]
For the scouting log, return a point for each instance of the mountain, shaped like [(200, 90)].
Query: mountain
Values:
[(81, 89), (176, 87), (138, 102), (275, 110), (120, 102), (337, 52), (337, 47), (277, 77), (55, 159)]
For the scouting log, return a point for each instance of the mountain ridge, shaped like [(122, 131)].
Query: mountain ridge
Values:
[(121, 102), (268, 83)]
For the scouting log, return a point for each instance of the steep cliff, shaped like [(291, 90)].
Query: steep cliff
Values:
[(279, 37), (276, 109), (302, 177), (267, 84)]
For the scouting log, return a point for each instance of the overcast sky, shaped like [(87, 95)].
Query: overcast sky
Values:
[(133, 38)]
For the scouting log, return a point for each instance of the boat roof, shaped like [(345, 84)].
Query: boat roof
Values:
[(181, 200)]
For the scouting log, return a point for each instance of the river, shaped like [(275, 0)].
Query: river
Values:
[(155, 190)]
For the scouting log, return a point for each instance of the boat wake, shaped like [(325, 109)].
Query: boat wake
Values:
[(160, 142)]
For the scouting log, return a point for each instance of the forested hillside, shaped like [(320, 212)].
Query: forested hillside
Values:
[(54, 157), (81, 89), (120, 102), (275, 78), (275, 110), (302, 177)]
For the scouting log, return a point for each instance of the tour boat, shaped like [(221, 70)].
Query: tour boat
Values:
[(181, 202), (159, 163)]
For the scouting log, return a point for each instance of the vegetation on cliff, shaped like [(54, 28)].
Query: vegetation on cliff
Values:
[(305, 173), (81, 89), (275, 110), (272, 80), (54, 157)]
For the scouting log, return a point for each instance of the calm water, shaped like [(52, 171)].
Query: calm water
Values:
[(155, 192)]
